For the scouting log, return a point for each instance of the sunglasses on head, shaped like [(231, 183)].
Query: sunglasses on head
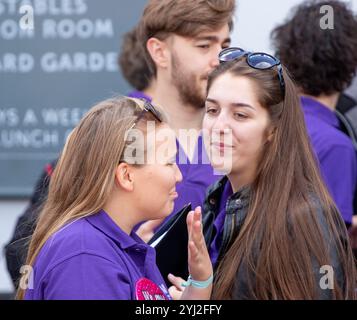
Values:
[(148, 107), (256, 60)]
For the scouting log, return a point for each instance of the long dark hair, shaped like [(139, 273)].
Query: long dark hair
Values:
[(282, 238)]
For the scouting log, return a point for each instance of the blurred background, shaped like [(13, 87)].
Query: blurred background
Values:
[(51, 74)]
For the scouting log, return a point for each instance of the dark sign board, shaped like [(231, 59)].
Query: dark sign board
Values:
[(57, 59)]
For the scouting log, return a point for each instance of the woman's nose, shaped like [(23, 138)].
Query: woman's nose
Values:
[(222, 123)]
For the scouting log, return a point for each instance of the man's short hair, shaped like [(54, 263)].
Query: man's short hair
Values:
[(132, 62), (321, 61), (185, 18)]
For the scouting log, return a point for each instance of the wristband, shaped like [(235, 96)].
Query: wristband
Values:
[(197, 284)]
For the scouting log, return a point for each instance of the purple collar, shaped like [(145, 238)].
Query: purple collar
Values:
[(139, 95), (319, 110), (103, 222)]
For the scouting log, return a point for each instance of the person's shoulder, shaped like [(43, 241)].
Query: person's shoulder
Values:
[(329, 140), (309, 207), (325, 136), (217, 186), (80, 262), (74, 233), (339, 139), (75, 238), (317, 206), (320, 210)]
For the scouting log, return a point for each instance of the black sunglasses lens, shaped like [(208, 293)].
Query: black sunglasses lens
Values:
[(261, 61), (230, 54)]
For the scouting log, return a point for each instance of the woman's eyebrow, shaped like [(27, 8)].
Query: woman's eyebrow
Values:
[(211, 100), (241, 104), (233, 104)]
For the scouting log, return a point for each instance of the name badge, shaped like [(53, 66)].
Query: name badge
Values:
[(147, 290)]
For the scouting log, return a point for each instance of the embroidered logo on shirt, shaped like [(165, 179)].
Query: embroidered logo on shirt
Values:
[(147, 290)]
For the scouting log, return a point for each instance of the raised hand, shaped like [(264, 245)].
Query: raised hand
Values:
[(199, 262)]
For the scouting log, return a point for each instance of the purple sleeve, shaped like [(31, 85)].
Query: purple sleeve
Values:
[(87, 277), (339, 170)]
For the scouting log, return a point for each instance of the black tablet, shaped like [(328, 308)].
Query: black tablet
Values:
[(170, 243)]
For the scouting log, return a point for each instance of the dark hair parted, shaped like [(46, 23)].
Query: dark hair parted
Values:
[(321, 61), (292, 222), (132, 62), (186, 18)]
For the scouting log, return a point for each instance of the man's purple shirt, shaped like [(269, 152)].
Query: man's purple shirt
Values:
[(139, 95), (198, 175), (335, 153)]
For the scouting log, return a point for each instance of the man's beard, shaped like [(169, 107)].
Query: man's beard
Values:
[(188, 89)]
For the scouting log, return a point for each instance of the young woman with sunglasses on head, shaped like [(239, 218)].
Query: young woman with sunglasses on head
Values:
[(83, 246), (272, 228)]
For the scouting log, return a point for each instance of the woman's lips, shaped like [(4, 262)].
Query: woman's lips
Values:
[(221, 145)]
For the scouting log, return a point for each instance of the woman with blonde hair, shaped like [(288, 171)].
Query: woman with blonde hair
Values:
[(104, 184)]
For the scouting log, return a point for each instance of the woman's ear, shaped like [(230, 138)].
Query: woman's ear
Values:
[(124, 177), (159, 52), (271, 133)]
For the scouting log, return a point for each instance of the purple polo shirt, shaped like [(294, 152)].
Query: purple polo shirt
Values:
[(219, 223), (335, 153), (92, 258), (139, 95)]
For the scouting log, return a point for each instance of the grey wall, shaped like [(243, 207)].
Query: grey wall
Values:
[(50, 75)]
